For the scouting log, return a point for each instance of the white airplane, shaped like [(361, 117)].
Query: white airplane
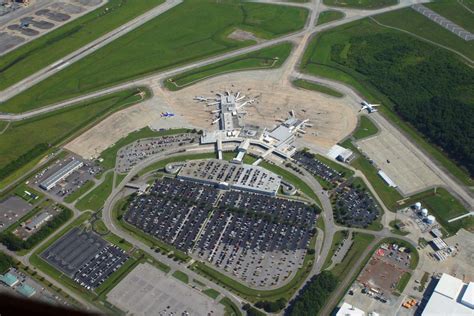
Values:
[(215, 111), (213, 103), (200, 98), (215, 121), (240, 98), (369, 107), (237, 95)]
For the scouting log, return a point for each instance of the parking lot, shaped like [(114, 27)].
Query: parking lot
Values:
[(12, 209), (354, 206), (148, 291), (85, 257), (72, 182), (258, 238), (133, 153), (316, 167), (173, 211)]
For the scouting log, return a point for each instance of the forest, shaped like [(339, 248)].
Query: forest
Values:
[(312, 297), (429, 87)]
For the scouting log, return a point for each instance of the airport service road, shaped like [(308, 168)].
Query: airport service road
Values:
[(450, 184), (87, 50)]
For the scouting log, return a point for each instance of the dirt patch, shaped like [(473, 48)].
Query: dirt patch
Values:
[(241, 36)]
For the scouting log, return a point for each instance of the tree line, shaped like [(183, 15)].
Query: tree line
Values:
[(429, 87)]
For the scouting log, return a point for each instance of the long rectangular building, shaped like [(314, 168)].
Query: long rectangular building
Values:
[(61, 174), (232, 176)]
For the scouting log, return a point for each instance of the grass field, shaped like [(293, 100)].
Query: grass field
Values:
[(360, 243), (229, 307), (396, 230), (95, 199), (336, 241), (329, 16), (317, 61), (55, 127), (454, 11), (183, 277), (366, 128), (51, 47), (211, 293), (361, 4), (79, 192), (267, 58), (317, 87), (177, 37)]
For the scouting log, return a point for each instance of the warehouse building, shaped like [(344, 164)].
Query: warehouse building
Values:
[(451, 297), (38, 221), (61, 174)]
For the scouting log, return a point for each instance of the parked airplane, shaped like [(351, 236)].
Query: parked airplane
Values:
[(167, 114), (200, 98), (369, 107)]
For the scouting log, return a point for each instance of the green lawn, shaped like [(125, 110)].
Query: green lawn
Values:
[(329, 16), (51, 47), (454, 11), (361, 4), (317, 87), (176, 37), (229, 307), (211, 293), (162, 163), (267, 58), (99, 227), (95, 199), (110, 154), (183, 277), (396, 230), (444, 207), (336, 241), (317, 60), (366, 128), (79, 192), (402, 283), (54, 128), (360, 243)]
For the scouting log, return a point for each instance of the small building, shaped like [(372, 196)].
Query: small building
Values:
[(349, 310), (400, 225), (9, 279), (468, 296), (436, 232), (439, 244), (38, 221), (26, 290), (386, 179)]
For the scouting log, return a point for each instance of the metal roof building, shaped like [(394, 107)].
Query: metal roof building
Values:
[(9, 279), (61, 174), (26, 290), (450, 297)]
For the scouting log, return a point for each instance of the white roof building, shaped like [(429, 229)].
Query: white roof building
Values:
[(451, 297), (349, 310)]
